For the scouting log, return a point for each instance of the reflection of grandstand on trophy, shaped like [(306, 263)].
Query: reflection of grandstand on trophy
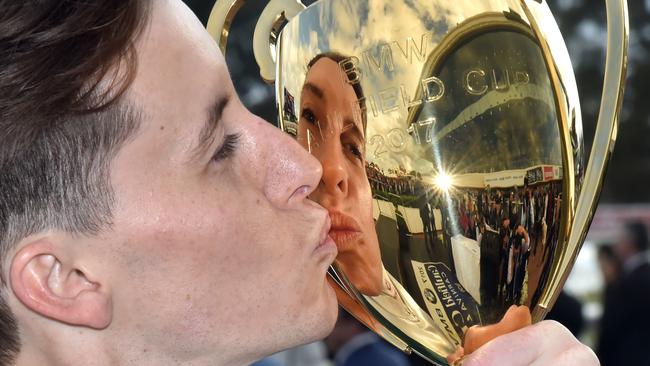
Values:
[(394, 182)]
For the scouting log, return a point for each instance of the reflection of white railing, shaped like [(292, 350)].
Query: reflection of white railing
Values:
[(437, 214), (494, 99), (467, 260), (375, 209), (413, 220), (383, 208), (411, 215)]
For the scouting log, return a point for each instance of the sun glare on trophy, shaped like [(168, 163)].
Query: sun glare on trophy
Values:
[(443, 182)]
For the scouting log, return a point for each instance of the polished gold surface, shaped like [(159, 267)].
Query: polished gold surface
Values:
[(220, 20), (604, 139), (451, 142)]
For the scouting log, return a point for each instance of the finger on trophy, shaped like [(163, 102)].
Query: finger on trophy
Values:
[(515, 318)]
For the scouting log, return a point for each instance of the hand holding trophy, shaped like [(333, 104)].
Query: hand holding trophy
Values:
[(451, 142)]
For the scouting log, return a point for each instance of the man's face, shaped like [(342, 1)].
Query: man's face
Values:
[(330, 128), (215, 248)]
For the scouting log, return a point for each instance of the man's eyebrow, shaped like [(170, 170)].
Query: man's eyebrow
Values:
[(352, 128), (314, 89), (210, 125)]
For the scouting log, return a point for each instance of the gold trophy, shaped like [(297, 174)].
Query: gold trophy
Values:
[(451, 142)]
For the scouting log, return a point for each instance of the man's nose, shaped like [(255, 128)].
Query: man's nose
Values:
[(291, 173)]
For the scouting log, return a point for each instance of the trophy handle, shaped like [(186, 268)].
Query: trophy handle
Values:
[(266, 33), (605, 135)]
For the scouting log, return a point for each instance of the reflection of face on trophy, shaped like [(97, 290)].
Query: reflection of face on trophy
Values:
[(331, 127)]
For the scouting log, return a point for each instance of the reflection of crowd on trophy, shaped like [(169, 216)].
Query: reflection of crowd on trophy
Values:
[(511, 225), (527, 221), (395, 182)]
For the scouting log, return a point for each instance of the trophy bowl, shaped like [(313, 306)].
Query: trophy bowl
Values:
[(451, 142)]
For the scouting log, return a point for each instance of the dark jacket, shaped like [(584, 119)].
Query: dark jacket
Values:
[(625, 325)]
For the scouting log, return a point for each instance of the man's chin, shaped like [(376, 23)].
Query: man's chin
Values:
[(331, 311)]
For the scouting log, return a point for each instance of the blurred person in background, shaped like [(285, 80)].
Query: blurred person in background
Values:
[(568, 312), (625, 325), (311, 354), (609, 263), (610, 268), (352, 344)]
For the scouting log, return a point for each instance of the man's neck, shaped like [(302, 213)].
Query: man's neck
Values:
[(83, 353)]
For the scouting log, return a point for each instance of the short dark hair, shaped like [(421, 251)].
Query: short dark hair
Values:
[(64, 68), (638, 235)]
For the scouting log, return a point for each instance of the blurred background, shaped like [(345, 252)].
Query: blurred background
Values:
[(625, 197)]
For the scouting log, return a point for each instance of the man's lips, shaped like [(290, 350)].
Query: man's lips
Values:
[(345, 231), (325, 242)]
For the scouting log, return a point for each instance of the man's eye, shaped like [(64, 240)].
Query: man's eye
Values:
[(226, 149), (356, 151), (308, 115)]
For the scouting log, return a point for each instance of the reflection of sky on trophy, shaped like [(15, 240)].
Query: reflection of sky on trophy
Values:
[(360, 28), (552, 33)]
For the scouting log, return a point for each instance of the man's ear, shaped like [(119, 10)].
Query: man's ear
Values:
[(46, 280)]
